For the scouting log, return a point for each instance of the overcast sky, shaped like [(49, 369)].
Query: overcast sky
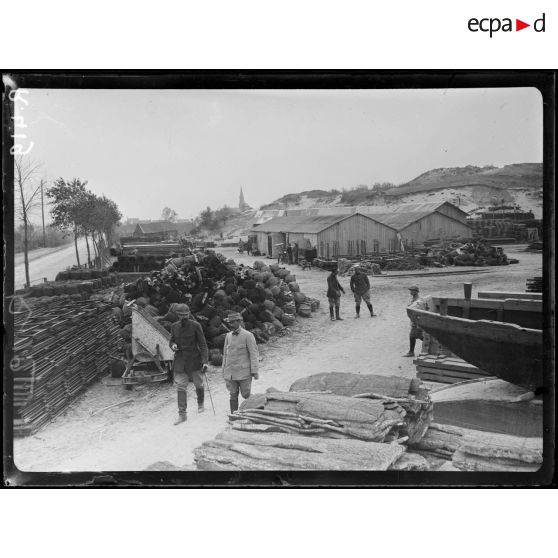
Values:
[(147, 149)]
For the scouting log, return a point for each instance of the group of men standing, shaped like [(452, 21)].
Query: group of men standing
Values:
[(360, 286), (240, 352), (240, 359)]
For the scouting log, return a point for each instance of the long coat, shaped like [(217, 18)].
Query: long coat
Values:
[(240, 356), (192, 351)]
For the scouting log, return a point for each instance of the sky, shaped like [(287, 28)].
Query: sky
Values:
[(189, 149)]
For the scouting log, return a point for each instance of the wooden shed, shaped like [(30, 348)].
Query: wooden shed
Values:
[(414, 227), (156, 229), (331, 235)]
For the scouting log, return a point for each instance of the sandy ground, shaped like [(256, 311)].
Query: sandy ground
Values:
[(140, 432), (47, 262)]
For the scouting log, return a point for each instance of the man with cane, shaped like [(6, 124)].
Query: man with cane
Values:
[(240, 360), (190, 360)]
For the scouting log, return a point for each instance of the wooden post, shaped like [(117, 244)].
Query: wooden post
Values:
[(443, 306), (43, 214)]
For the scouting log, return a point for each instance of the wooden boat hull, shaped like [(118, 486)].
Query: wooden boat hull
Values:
[(508, 351)]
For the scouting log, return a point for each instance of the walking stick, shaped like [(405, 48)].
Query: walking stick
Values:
[(209, 391)]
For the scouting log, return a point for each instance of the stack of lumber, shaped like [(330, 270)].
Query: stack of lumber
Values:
[(69, 286), (446, 369), (498, 452), (534, 285), (321, 415), (410, 394), (59, 348), (247, 451)]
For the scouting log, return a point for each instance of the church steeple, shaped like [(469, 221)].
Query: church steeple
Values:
[(242, 205)]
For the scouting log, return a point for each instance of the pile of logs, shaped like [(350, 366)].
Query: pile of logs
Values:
[(69, 286), (268, 297), (60, 346)]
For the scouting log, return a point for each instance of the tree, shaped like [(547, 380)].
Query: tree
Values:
[(69, 207), (169, 214), (25, 173)]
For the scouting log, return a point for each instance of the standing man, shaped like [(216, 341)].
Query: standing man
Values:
[(334, 290), (360, 285), (416, 331), (190, 361), (240, 360), (290, 254)]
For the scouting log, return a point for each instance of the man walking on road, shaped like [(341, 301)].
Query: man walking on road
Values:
[(190, 360), (360, 285), (334, 290), (240, 360)]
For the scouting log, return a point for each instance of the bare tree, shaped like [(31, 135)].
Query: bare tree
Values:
[(25, 179)]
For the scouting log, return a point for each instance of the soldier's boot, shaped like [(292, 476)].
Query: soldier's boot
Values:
[(182, 400), (357, 309), (200, 393), (337, 316), (372, 315), (234, 405), (331, 316)]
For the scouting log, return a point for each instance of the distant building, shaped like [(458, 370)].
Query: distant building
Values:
[(162, 230)]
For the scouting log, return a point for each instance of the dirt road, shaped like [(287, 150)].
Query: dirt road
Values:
[(47, 262), (140, 432)]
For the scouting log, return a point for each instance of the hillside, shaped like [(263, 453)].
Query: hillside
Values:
[(471, 188)]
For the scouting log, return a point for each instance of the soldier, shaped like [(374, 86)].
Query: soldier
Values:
[(416, 331), (190, 361), (360, 285), (240, 360), (334, 290)]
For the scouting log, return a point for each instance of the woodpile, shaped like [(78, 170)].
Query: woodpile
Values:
[(409, 394), (83, 283), (60, 346), (534, 285)]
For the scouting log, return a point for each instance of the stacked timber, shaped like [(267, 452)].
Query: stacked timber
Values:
[(534, 285), (446, 369), (70, 286), (60, 347), (410, 394)]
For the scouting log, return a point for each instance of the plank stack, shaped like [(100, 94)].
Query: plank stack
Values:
[(60, 346), (446, 369), (534, 285)]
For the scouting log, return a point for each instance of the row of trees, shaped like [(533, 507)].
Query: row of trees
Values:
[(80, 213), (74, 210), (211, 220)]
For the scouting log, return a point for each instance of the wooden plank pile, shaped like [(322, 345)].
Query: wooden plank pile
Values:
[(446, 369), (534, 285), (60, 347)]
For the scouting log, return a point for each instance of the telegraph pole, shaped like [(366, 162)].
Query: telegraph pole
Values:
[(43, 213)]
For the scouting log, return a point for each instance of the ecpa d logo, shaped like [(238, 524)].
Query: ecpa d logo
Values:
[(492, 25)]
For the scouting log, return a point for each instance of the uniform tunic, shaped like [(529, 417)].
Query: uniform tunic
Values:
[(240, 355), (192, 351)]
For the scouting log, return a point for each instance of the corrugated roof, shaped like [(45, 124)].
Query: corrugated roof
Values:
[(305, 223), (399, 220)]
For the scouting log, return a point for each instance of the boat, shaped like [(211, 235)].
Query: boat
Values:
[(490, 405), (509, 351)]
